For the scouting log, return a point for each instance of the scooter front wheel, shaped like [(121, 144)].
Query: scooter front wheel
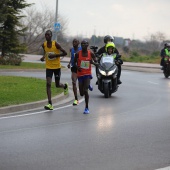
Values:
[(106, 90), (166, 75)]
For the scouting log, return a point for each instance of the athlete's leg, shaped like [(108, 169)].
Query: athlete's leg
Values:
[(48, 89), (81, 88), (86, 83), (57, 74), (49, 74), (74, 81)]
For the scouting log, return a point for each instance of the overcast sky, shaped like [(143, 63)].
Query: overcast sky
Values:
[(134, 19)]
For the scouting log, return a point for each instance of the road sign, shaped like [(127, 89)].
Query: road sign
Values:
[(57, 26)]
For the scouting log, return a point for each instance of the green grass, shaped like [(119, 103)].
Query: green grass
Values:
[(134, 56), (142, 59), (25, 65), (19, 90)]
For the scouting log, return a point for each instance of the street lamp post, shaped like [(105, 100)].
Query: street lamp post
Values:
[(56, 17)]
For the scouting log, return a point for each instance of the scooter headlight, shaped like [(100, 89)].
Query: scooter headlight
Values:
[(102, 72), (111, 72)]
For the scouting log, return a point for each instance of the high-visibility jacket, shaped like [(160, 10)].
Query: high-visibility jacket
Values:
[(167, 52)]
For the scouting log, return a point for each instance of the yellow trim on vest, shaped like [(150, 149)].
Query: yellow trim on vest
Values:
[(113, 55), (167, 52), (55, 63)]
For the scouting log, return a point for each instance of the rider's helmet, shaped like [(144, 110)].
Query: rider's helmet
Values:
[(108, 38), (168, 46), (109, 44)]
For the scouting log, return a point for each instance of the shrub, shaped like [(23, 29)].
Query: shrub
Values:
[(11, 59)]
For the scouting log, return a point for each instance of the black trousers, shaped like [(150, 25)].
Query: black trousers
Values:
[(162, 61), (119, 71)]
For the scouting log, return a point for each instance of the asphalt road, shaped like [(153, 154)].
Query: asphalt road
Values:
[(129, 131)]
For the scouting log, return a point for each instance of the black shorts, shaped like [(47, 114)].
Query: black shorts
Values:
[(56, 72), (74, 69)]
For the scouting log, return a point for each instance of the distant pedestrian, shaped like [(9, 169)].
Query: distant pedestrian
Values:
[(83, 60), (52, 53)]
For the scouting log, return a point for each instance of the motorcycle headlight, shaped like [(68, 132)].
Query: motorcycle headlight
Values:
[(102, 72), (111, 72)]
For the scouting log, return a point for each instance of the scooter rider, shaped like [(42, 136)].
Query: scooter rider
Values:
[(164, 52), (110, 51), (107, 39), (102, 50)]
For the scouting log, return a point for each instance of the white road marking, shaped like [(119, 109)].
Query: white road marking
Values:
[(167, 168), (152, 82), (43, 111)]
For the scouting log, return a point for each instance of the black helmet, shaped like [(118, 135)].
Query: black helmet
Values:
[(108, 38), (168, 45)]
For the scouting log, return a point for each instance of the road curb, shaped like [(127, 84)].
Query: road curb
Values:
[(33, 105), (142, 69)]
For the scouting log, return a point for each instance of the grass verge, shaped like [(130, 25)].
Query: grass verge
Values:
[(24, 65), (18, 90)]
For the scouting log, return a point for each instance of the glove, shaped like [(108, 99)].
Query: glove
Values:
[(119, 61), (68, 65), (42, 59)]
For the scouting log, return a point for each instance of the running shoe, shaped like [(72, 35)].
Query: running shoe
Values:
[(90, 87), (86, 111), (66, 89), (48, 107), (76, 102)]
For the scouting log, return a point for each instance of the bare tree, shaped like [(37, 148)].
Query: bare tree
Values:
[(153, 42), (37, 23)]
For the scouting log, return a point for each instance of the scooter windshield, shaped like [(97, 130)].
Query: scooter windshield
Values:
[(107, 62)]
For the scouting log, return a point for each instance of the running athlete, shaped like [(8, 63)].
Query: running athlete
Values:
[(74, 50), (52, 53), (83, 60)]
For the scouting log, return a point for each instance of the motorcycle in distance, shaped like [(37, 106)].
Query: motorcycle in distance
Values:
[(106, 74), (167, 67)]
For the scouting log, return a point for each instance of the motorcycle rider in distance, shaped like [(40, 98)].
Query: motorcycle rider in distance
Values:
[(164, 52), (102, 50)]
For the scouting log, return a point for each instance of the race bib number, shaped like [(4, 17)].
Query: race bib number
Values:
[(85, 64), (107, 59)]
